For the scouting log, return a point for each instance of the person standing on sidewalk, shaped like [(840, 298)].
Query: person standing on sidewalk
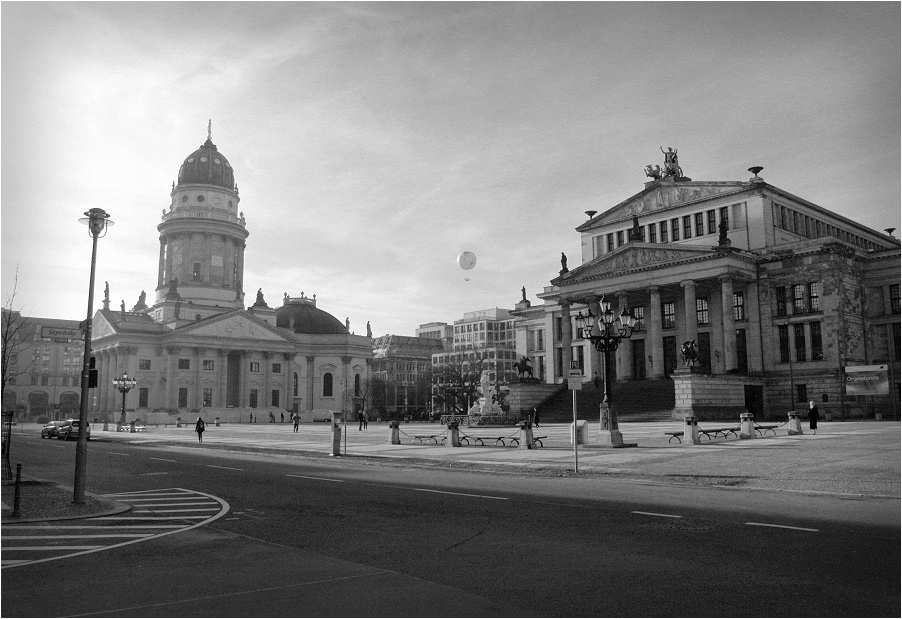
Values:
[(813, 416), (297, 419), (366, 419), (199, 427)]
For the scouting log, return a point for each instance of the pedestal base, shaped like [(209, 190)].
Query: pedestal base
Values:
[(612, 439)]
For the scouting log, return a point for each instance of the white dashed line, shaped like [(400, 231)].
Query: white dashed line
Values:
[(164, 460), (780, 526), (339, 481), (478, 496), (659, 515), (229, 468)]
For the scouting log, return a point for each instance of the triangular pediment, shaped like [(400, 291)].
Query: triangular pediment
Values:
[(662, 196), (101, 327), (237, 325), (634, 256)]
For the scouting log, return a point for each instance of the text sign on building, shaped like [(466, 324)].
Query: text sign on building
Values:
[(62, 333), (866, 380)]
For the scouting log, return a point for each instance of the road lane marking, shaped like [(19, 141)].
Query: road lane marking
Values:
[(659, 515), (478, 496), (230, 468), (164, 460), (173, 511), (116, 453), (339, 481), (780, 526), (34, 548), (13, 537), (105, 518)]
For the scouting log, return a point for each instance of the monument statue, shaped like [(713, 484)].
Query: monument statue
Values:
[(671, 162), (524, 370), (487, 392), (369, 331), (689, 353), (563, 262), (653, 172)]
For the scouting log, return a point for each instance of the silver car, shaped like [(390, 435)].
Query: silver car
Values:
[(52, 428), (70, 430)]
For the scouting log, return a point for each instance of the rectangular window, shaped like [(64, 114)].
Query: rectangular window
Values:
[(276, 368), (699, 224), (253, 398), (639, 315), (208, 365), (183, 397), (255, 366), (701, 310), (798, 299), (143, 364), (663, 228), (619, 238), (801, 393), (738, 306), (184, 364), (143, 397), (275, 397), (687, 227), (610, 238), (675, 229), (894, 298), (668, 314), (712, 222), (799, 332), (817, 346), (814, 302), (781, 300), (196, 272), (652, 233), (783, 330), (725, 215), (208, 396)]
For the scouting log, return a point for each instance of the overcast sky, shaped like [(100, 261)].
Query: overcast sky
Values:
[(372, 143)]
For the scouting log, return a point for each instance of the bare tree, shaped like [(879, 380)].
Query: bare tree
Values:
[(456, 382), (14, 338)]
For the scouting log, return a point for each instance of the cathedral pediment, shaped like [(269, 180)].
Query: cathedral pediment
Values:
[(634, 256), (662, 195), (237, 326)]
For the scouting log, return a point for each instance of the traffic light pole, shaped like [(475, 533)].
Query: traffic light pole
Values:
[(81, 449)]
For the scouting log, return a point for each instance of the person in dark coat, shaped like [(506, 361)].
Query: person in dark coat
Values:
[(199, 427), (813, 416), (535, 417)]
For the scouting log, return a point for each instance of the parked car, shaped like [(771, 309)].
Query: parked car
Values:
[(70, 430), (52, 429)]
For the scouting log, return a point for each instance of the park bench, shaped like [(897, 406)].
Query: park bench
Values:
[(762, 428), (708, 432), (675, 435), (424, 438), (465, 439)]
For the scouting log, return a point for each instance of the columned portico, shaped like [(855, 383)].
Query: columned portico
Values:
[(690, 323), (566, 338), (171, 384), (624, 365), (310, 361), (729, 324), (655, 333)]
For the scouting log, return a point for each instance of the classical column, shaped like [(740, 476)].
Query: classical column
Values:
[(566, 339), (267, 378), (597, 357), (655, 334), (111, 391), (171, 368), (286, 400), (729, 326), (198, 378), (104, 379), (244, 397), (223, 390), (161, 268), (310, 360), (346, 370), (625, 350), (690, 320), (753, 328)]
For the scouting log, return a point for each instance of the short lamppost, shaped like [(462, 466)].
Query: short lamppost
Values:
[(607, 340), (124, 384), (98, 221)]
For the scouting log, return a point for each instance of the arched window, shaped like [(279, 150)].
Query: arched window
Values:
[(357, 385), (295, 384), (327, 385)]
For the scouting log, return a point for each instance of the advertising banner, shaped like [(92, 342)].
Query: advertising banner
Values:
[(867, 380)]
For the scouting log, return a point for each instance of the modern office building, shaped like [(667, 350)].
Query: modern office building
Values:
[(780, 295), (402, 374)]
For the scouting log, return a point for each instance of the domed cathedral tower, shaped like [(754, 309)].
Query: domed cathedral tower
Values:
[(202, 241)]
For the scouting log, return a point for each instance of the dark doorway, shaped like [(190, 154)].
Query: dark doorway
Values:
[(704, 353), (638, 359), (233, 378), (742, 356), (670, 355), (754, 400)]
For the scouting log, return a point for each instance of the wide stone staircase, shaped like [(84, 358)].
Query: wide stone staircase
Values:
[(636, 400)]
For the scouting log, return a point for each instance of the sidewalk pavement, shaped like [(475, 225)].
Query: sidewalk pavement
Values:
[(859, 459)]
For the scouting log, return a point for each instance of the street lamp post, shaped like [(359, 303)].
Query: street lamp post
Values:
[(98, 221), (607, 340), (124, 384)]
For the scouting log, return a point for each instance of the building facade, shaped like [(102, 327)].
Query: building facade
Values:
[(780, 295), (197, 348), (402, 374)]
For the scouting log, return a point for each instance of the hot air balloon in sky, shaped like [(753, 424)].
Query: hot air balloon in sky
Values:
[(466, 260)]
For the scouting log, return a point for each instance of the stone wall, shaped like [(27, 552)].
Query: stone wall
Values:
[(710, 397)]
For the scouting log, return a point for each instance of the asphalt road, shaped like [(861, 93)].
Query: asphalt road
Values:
[(320, 537)]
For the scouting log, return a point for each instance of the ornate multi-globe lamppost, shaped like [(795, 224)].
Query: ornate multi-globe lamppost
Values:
[(98, 221), (606, 340), (124, 384)]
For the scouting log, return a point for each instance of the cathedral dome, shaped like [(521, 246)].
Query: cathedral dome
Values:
[(302, 316), (207, 166)]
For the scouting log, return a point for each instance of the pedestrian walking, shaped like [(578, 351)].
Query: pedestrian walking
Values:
[(282, 417), (360, 421), (813, 416), (366, 419), (199, 427), (535, 417), (297, 419)]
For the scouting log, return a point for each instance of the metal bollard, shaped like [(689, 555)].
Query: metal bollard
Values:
[(395, 429), (336, 434), (526, 439), (16, 497), (746, 426), (690, 430), (454, 433), (795, 426)]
